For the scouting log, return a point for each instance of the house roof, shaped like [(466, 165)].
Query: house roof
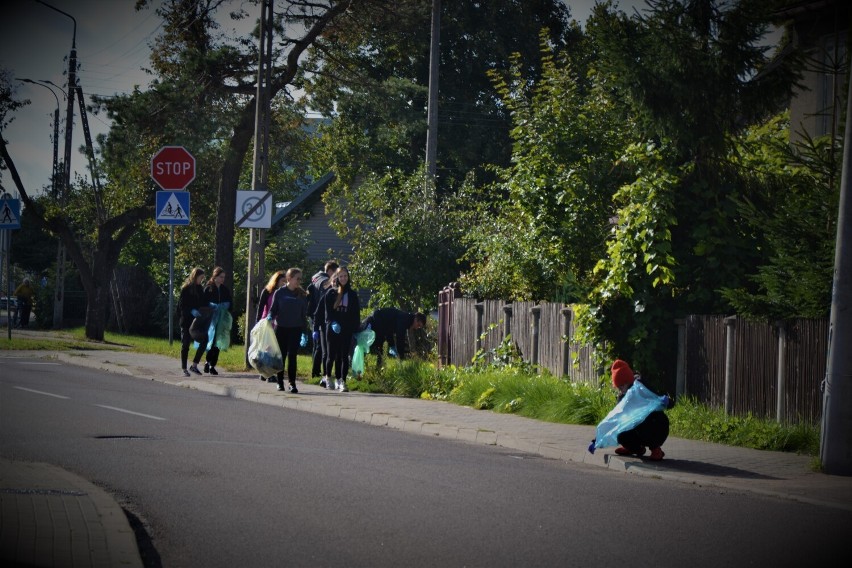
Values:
[(304, 200)]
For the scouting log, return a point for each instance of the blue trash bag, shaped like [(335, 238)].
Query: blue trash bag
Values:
[(363, 341), (219, 332), (631, 411)]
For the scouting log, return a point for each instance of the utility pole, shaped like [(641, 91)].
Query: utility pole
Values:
[(432, 105), (836, 435), (59, 293), (260, 171)]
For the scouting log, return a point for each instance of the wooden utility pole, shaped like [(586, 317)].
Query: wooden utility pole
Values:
[(260, 171), (432, 106)]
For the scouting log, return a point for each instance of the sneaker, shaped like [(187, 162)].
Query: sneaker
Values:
[(622, 451), (341, 386), (212, 371), (293, 389), (206, 367), (185, 373), (657, 454), (322, 383), (280, 386), (262, 378), (194, 369)]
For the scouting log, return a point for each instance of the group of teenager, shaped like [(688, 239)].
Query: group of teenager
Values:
[(197, 300), (328, 307)]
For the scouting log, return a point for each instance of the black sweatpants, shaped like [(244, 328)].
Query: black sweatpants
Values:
[(652, 432)]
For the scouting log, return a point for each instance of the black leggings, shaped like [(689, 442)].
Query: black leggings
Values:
[(288, 341), (339, 346), (185, 342)]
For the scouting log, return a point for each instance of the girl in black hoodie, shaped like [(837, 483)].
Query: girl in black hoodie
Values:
[(341, 314)]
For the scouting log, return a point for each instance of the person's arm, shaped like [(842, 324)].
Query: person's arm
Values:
[(319, 314), (273, 306), (401, 334), (261, 305)]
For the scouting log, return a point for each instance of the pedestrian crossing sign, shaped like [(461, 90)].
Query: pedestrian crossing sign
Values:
[(172, 208), (10, 213)]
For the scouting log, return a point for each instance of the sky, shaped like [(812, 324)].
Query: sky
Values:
[(113, 45)]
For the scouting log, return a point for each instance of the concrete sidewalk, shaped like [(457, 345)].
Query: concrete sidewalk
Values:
[(776, 474), (51, 517)]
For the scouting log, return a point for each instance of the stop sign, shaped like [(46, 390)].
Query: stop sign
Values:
[(172, 167)]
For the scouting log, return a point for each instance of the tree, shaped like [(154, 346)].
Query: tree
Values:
[(221, 73), (406, 240), (371, 79), (555, 200), (693, 74), (793, 211)]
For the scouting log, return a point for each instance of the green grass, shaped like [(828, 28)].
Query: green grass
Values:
[(232, 359), (542, 396)]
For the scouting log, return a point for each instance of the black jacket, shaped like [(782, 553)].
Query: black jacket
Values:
[(289, 308), (191, 298), (391, 324), (349, 316), (217, 295), (316, 290)]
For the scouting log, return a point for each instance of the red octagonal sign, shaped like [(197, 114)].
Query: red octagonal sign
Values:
[(172, 167)]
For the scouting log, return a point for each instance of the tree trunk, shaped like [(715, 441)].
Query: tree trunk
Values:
[(96, 303), (226, 214)]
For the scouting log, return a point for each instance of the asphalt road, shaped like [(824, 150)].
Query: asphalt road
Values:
[(222, 482)]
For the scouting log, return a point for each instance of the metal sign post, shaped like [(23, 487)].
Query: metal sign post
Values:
[(172, 167)]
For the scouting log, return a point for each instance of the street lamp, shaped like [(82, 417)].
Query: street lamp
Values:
[(55, 172), (58, 299)]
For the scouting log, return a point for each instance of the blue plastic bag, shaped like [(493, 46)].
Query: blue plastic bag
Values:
[(363, 341), (631, 411)]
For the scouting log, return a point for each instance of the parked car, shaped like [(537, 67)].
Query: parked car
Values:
[(6, 303)]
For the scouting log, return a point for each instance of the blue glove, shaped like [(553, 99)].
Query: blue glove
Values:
[(335, 327), (304, 341), (196, 313), (315, 335), (391, 352), (269, 317)]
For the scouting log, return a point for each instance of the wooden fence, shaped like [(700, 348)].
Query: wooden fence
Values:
[(770, 371)]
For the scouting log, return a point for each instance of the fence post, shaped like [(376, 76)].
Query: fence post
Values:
[(507, 320), (780, 390), (536, 313), (730, 328), (479, 308), (680, 377), (567, 315)]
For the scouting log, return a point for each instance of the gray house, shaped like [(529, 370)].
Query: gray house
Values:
[(821, 29), (309, 209)]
